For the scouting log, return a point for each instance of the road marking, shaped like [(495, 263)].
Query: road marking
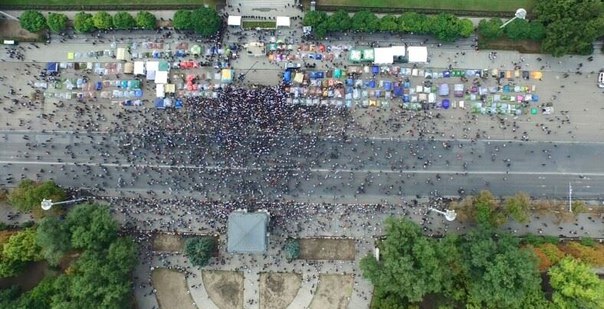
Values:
[(315, 170)]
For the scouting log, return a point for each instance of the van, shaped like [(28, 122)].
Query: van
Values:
[(601, 80), (9, 42)]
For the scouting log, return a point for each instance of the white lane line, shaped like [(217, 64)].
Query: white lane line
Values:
[(316, 170)]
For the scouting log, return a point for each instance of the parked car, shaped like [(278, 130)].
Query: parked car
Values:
[(601, 80)]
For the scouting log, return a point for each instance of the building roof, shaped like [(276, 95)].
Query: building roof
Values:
[(247, 232)]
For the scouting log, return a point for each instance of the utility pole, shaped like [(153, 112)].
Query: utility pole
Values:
[(570, 197)]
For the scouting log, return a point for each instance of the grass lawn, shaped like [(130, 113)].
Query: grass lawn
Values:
[(211, 3), (470, 5)]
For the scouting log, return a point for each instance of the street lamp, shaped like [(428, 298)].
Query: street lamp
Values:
[(520, 14), (449, 214), (47, 204)]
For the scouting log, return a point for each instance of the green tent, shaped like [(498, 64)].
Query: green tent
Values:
[(534, 111)]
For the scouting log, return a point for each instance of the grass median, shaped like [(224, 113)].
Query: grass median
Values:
[(116, 3)]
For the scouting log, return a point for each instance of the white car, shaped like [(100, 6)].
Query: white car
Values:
[(601, 80)]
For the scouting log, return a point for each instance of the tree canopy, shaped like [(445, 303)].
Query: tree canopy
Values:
[(571, 26), (29, 194), (206, 21), (57, 22), (123, 20), (102, 20), (182, 20), (576, 285), (20, 248), (146, 20), (83, 22), (32, 21), (91, 226), (54, 239), (490, 29), (200, 250)]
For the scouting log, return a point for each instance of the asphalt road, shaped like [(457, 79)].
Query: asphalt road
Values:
[(340, 168)]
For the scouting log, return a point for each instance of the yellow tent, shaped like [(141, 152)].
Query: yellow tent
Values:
[(70, 56), (536, 75)]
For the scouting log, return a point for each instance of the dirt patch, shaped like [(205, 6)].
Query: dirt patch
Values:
[(225, 288), (168, 242), (333, 292), (327, 249), (10, 29), (278, 290), (523, 46), (171, 289), (29, 278)]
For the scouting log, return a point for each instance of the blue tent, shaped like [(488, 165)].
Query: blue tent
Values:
[(178, 104), (138, 93), (535, 98), (287, 77), (447, 74), (375, 69), (371, 84), (52, 67), (156, 54), (349, 82), (506, 88), (398, 91), (407, 85), (159, 103), (388, 85), (406, 98), (446, 104), (349, 89)]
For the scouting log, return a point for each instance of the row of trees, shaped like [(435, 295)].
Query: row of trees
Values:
[(482, 269), (99, 278), (34, 21), (445, 27), (204, 21), (519, 29), (486, 211)]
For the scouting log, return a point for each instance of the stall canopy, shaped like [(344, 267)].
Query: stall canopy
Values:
[(283, 21), (417, 53), (152, 66), (161, 77), (398, 51), (234, 21), (383, 55), (139, 68), (122, 54), (160, 91), (52, 67), (128, 68)]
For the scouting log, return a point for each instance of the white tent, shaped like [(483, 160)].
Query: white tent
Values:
[(161, 77), (283, 21), (152, 66), (139, 68), (383, 55), (417, 54), (159, 91), (122, 54), (234, 21), (398, 50)]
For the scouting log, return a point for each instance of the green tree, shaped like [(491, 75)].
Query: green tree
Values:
[(536, 31), (22, 247), (576, 285), (57, 22), (571, 27), (29, 194), (409, 265), (389, 23), (206, 21), (53, 237), (445, 27), (292, 249), (91, 226), (411, 22), (517, 30), (501, 275), (200, 250), (32, 21), (490, 29), (339, 22), (466, 27), (102, 20), (182, 20), (314, 18), (518, 207), (123, 20), (39, 296), (83, 22), (487, 210), (365, 21), (146, 20)]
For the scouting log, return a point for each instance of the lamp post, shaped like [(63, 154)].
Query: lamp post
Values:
[(520, 14), (47, 204), (449, 214)]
